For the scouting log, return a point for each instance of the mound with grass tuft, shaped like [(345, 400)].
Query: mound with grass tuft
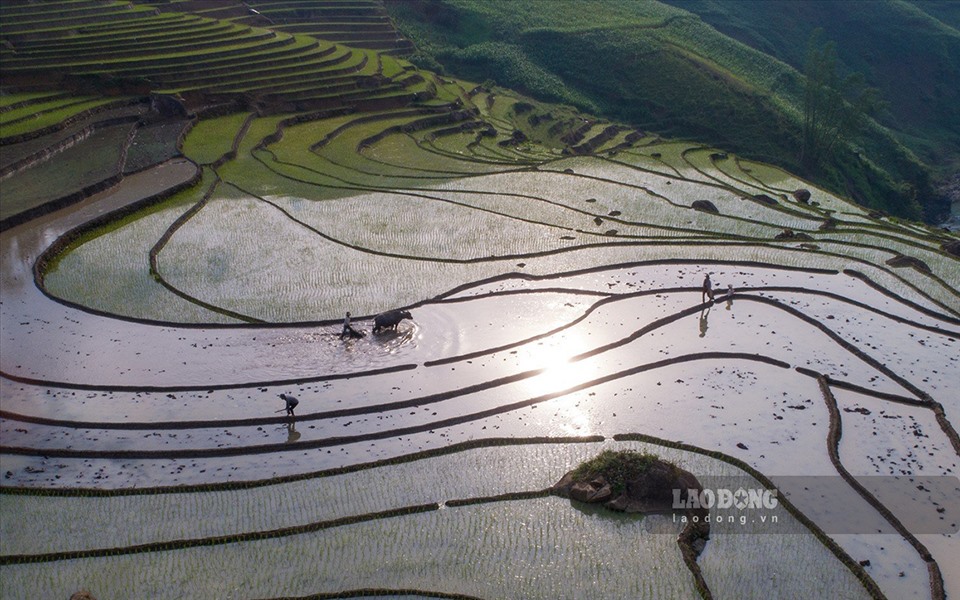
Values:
[(627, 481)]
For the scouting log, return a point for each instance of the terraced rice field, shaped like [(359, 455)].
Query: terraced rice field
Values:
[(556, 294)]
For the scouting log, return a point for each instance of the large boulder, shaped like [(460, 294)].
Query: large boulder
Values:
[(802, 195), (705, 206), (633, 482), (627, 482), (595, 490)]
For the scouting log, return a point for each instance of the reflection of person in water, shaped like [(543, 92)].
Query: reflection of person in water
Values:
[(292, 433), (703, 322)]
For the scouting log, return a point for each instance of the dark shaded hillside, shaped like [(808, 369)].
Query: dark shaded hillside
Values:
[(947, 11), (666, 70), (903, 49)]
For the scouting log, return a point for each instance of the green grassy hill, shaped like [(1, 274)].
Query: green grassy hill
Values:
[(669, 70), (904, 49), (724, 73)]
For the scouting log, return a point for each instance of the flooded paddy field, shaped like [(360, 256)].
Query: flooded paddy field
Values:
[(557, 309)]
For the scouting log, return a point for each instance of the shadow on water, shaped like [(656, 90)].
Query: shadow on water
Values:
[(602, 512)]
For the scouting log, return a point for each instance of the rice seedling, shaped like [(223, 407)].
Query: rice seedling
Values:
[(530, 546), (212, 139)]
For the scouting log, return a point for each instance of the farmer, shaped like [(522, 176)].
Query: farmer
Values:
[(707, 289), (291, 403), (348, 330)]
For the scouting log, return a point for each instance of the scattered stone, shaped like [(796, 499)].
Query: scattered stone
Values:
[(598, 220), (610, 232), (718, 156), (705, 206), (789, 234), (742, 446), (802, 195), (864, 563), (614, 213), (596, 490)]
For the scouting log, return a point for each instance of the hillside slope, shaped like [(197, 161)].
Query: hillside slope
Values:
[(903, 49), (665, 69)]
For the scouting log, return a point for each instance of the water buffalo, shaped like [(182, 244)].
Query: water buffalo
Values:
[(390, 319)]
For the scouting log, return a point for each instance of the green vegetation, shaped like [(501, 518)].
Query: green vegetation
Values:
[(663, 69), (907, 50), (833, 111), (35, 117), (616, 466), (81, 168), (212, 139)]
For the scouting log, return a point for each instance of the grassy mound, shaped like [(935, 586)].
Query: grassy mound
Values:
[(617, 467)]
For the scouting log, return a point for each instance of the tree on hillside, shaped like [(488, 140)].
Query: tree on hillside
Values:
[(834, 110)]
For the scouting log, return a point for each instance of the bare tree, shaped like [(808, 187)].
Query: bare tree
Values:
[(834, 110)]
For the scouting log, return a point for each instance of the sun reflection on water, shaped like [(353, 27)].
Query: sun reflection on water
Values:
[(567, 413)]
